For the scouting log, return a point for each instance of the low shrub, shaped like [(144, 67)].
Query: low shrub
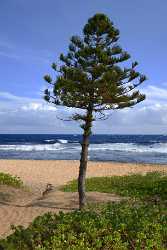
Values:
[(136, 185), (133, 224), (7, 179), (120, 226)]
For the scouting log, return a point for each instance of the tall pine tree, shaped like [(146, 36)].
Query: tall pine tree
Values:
[(93, 77)]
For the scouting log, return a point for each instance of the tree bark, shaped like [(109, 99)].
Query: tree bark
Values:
[(84, 159)]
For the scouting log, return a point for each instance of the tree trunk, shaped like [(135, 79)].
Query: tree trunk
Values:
[(84, 159)]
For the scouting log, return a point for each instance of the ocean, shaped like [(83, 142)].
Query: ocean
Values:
[(119, 148)]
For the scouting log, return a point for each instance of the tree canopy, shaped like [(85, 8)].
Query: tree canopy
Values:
[(93, 76), (91, 71)]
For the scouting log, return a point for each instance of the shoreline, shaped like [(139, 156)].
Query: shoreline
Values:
[(37, 173), (94, 161)]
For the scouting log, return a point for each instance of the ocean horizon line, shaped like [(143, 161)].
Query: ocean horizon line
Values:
[(126, 134)]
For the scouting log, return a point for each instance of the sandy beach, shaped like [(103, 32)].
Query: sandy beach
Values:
[(24, 206)]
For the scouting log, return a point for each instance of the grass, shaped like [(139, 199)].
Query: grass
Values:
[(136, 185), (7, 179)]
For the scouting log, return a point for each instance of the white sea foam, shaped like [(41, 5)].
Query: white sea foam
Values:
[(73, 147), (36, 147), (52, 140), (62, 141), (130, 147)]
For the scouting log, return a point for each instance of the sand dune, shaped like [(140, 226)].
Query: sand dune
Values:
[(22, 207)]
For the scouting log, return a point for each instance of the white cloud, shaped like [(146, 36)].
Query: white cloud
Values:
[(30, 115), (12, 51), (9, 96), (34, 106), (154, 92), (155, 95)]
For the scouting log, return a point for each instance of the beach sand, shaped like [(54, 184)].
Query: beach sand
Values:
[(22, 207)]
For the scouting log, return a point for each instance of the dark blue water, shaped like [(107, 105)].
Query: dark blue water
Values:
[(121, 148)]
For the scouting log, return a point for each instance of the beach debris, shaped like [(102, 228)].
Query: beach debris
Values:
[(49, 188)]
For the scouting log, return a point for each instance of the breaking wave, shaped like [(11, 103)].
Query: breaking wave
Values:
[(52, 140), (67, 147), (131, 147), (62, 141), (36, 147)]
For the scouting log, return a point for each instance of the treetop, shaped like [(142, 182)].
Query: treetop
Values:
[(93, 73)]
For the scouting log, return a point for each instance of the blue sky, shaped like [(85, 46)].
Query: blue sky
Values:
[(34, 33)]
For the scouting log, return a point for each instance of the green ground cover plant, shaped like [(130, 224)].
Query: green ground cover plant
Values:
[(136, 185), (7, 179), (133, 224), (122, 226)]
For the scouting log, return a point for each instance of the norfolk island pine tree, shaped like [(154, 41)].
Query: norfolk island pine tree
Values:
[(92, 78)]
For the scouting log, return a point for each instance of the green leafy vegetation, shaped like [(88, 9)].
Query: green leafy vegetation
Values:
[(7, 179), (133, 224), (113, 226), (136, 185)]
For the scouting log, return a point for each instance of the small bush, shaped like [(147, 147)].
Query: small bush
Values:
[(113, 226), (7, 179), (130, 225), (136, 185)]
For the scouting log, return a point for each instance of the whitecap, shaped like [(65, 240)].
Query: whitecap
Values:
[(73, 147), (36, 147), (62, 141), (130, 147), (51, 140)]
